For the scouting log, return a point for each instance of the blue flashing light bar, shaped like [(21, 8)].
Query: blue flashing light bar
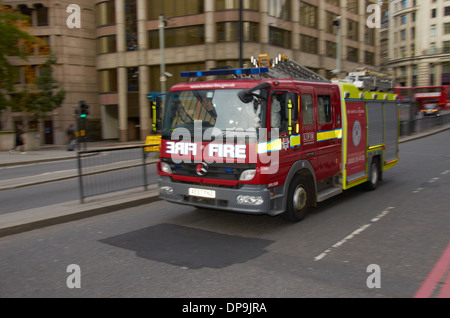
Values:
[(234, 71)]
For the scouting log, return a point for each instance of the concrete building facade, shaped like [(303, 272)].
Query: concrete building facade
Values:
[(112, 61), (419, 42)]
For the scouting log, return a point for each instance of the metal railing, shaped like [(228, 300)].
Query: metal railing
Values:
[(108, 170), (412, 122)]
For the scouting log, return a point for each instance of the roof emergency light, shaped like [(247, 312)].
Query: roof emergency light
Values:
[(234, 71)]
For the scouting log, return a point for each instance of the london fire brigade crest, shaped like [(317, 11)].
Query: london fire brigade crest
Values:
[(356, 135)]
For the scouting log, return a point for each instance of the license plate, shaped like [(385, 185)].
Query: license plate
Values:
[(202, 193)]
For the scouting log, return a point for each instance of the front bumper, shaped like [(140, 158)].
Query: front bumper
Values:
[(225, 198)]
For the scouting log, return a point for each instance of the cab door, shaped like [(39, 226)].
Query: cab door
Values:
[(307, 123), (329, 133)]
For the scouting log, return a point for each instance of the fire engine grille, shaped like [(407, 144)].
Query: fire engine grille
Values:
[(222, 171)]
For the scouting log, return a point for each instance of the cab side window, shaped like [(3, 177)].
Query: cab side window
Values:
[(324, 104), (278, 112), (307, 109)]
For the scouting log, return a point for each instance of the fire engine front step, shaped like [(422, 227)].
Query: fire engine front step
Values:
[(328, 193)]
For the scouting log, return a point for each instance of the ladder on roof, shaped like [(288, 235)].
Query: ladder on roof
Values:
[(371, 80), (283, 67)]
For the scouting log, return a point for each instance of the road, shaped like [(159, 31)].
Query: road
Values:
[(49, 193), (165, 250)]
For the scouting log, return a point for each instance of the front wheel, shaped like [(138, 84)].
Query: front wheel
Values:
[(298, 200)]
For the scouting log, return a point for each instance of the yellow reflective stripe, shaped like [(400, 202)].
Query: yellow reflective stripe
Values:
[(295, 141), (273, 145), (327, 135)]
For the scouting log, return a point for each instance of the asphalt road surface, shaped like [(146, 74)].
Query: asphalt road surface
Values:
[(381, 244)]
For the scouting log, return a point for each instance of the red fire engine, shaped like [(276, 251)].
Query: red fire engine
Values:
[(274, 140)]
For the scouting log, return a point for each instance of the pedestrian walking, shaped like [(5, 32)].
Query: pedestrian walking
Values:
[(19, 141), (71, 136)]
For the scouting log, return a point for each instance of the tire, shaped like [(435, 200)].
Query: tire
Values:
[(375, 175), (298, 201)]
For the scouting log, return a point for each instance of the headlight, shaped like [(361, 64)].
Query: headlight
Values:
[(249, 200), (165, 167), (166, 190), (247, 175)]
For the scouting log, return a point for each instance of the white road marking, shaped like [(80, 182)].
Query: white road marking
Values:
[(353, 234)]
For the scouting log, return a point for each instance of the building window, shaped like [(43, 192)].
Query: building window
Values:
[(433, 13), (173, 8), (330, 49), (280, 9), (353, 28), (433, 48), (433, 30), (106, 44), (131, 24), (446, 47), (107, 81), (279, 37), (432, 72), (353, 6), (308, 44), (403, 51), (447, 28), (352, 54), (42, 15), (329, 27), (43, 45), (404, 19), (447, 11), (445, 80), (403, 35), (191, 35), (369, 58), (133, 79), (333, 2), (369, 34), (222, 5), (308, 15), (105, 13), (229, 31)]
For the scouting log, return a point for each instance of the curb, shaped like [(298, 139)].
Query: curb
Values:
[(28, 220)]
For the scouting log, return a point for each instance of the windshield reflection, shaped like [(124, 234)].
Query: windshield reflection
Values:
[(220, 109)]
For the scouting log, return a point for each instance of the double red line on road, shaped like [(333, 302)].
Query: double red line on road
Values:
[(436, 276)]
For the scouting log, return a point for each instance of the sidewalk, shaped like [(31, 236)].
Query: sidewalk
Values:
[(18, 222)]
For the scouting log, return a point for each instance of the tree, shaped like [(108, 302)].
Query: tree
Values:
[(47, 96), (12, 36)]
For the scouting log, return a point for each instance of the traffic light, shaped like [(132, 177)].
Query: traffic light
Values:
[(84, 109), (337, 22)]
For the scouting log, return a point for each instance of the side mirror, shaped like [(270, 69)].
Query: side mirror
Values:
[(246, 96)]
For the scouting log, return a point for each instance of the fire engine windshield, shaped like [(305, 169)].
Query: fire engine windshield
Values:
[(219, 109)]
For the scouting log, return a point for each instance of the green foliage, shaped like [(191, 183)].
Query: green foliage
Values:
[(11, 37), (47, 97), (42, 95)]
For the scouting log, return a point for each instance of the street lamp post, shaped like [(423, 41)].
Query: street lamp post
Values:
[(241, 34), (163, 78)]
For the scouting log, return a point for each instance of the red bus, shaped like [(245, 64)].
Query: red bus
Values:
[(405, 94), (439, 95)]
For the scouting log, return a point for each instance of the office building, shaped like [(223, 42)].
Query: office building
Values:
[(113, 60)]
